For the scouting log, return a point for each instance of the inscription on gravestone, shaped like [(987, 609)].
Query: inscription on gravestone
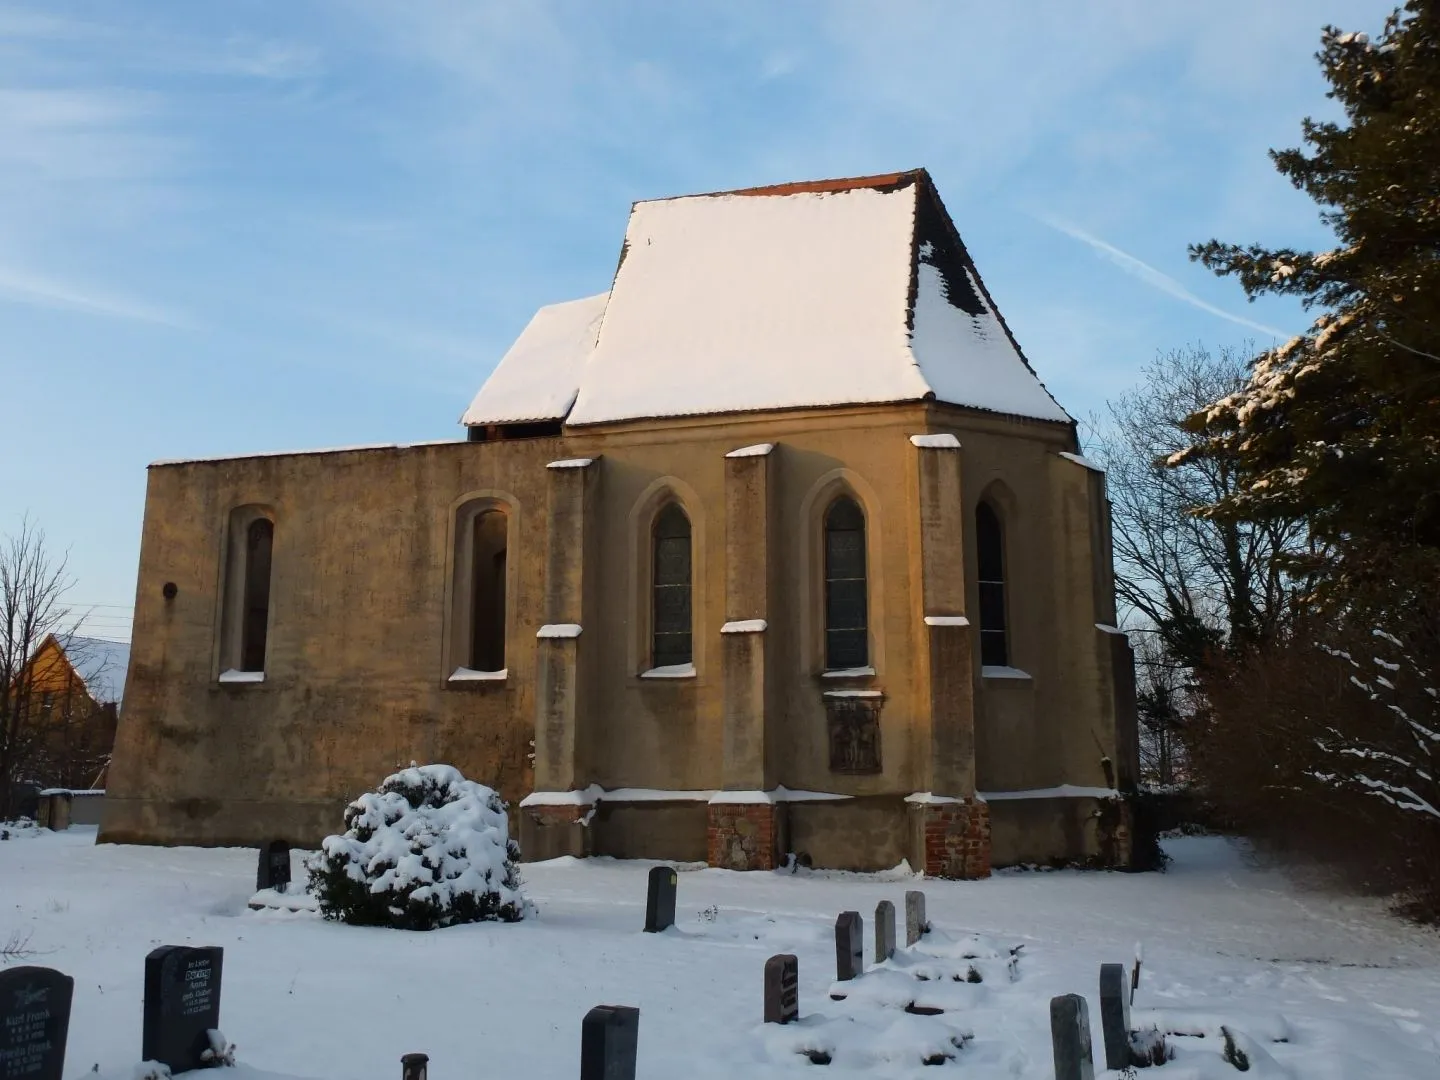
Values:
[(782, 989), (34, 1021), (1070, 1038), (915, 922), (609, 1036), (660, 899), (182, 1004), (273, 871), (1115, 1015), (884, 931), (849, 946)]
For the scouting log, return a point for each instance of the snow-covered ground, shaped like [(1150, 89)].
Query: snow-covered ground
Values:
[(1356, 992)]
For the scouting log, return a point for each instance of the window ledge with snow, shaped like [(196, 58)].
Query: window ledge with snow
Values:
[(571, 463), (233, 676), (855, 693), (670, 671), (559, 630), (1000, 671), (848, 673), (470, 675)]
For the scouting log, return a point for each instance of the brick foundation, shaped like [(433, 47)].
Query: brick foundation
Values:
[(954, 838), (547, 832), (743, 836)]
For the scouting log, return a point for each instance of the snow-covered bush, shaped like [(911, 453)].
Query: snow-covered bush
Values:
[(427, 849)]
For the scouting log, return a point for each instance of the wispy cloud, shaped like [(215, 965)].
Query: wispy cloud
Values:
[(1156, 279), (23, 286)]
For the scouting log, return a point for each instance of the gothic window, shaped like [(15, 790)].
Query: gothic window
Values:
[(670, 584), (255, 603), (990, 547), (846, 618), (490, 534)]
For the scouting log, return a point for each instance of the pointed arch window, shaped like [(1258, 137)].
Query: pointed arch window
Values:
[(990, 548), (847, 636), (671, 640)]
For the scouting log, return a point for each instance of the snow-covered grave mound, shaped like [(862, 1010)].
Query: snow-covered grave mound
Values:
[(428, 849), (916, 1008)]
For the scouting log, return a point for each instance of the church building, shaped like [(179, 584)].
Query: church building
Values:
[(778, 546)]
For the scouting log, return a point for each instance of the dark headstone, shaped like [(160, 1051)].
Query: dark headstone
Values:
[(782, 989), (660, 899), (274, 869), (1115, 1015), (609, 1036), (884, 931), (182, 1004), (414, 1066), (915, 922), (1070, 1038), (34, 1020), (849, 946)]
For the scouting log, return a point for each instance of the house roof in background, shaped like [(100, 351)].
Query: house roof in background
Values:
[(819, 293), (101, 666)]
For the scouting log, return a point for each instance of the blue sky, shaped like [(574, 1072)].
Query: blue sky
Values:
[(228, 227)]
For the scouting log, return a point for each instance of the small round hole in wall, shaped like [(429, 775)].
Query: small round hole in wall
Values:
[(170, 590)]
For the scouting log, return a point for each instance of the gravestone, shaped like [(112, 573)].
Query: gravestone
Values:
[(34, 1020), (414, 1066), (182, 1004), (884, 931), (782, 989), (849, 946), (660, 899), (1115, 1015), (274, 869), (915, 921), (1070, 1038), (609, 1036)]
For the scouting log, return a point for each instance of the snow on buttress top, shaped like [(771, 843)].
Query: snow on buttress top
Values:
[(537, 379), (774, 298)]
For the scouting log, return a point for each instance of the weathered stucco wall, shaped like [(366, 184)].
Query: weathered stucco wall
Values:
[(355, 670), (355, 680)]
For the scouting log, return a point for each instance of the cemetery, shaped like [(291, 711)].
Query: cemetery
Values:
[(131, 963)]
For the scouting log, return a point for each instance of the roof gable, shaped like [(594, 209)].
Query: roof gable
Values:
[(821, 293)]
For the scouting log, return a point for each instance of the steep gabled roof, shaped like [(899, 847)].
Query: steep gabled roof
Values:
[(834, 292)]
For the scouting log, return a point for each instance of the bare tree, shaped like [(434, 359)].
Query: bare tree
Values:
[(1201, 582), (33, 585), (1193, 587)]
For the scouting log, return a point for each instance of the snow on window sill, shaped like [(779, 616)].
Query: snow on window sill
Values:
[(854, 693), (465, 675), (935, 441), (998, 671), (758, 450), (559, 630), (848, 673), (571, 463), (670, 671), (233, 676)]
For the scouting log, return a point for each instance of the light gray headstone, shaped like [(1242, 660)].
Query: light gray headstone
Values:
[(849, 946), (884, 931), (1115, 1015), (1070, 1038), (915, 922)]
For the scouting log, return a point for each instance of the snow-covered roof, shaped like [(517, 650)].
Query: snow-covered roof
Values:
[(101, 666), (540, 375), (815, 294)]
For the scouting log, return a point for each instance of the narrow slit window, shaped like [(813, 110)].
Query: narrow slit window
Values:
[(990, 547), (847, 635), (487, 574), (671, 644), (255, 611)]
